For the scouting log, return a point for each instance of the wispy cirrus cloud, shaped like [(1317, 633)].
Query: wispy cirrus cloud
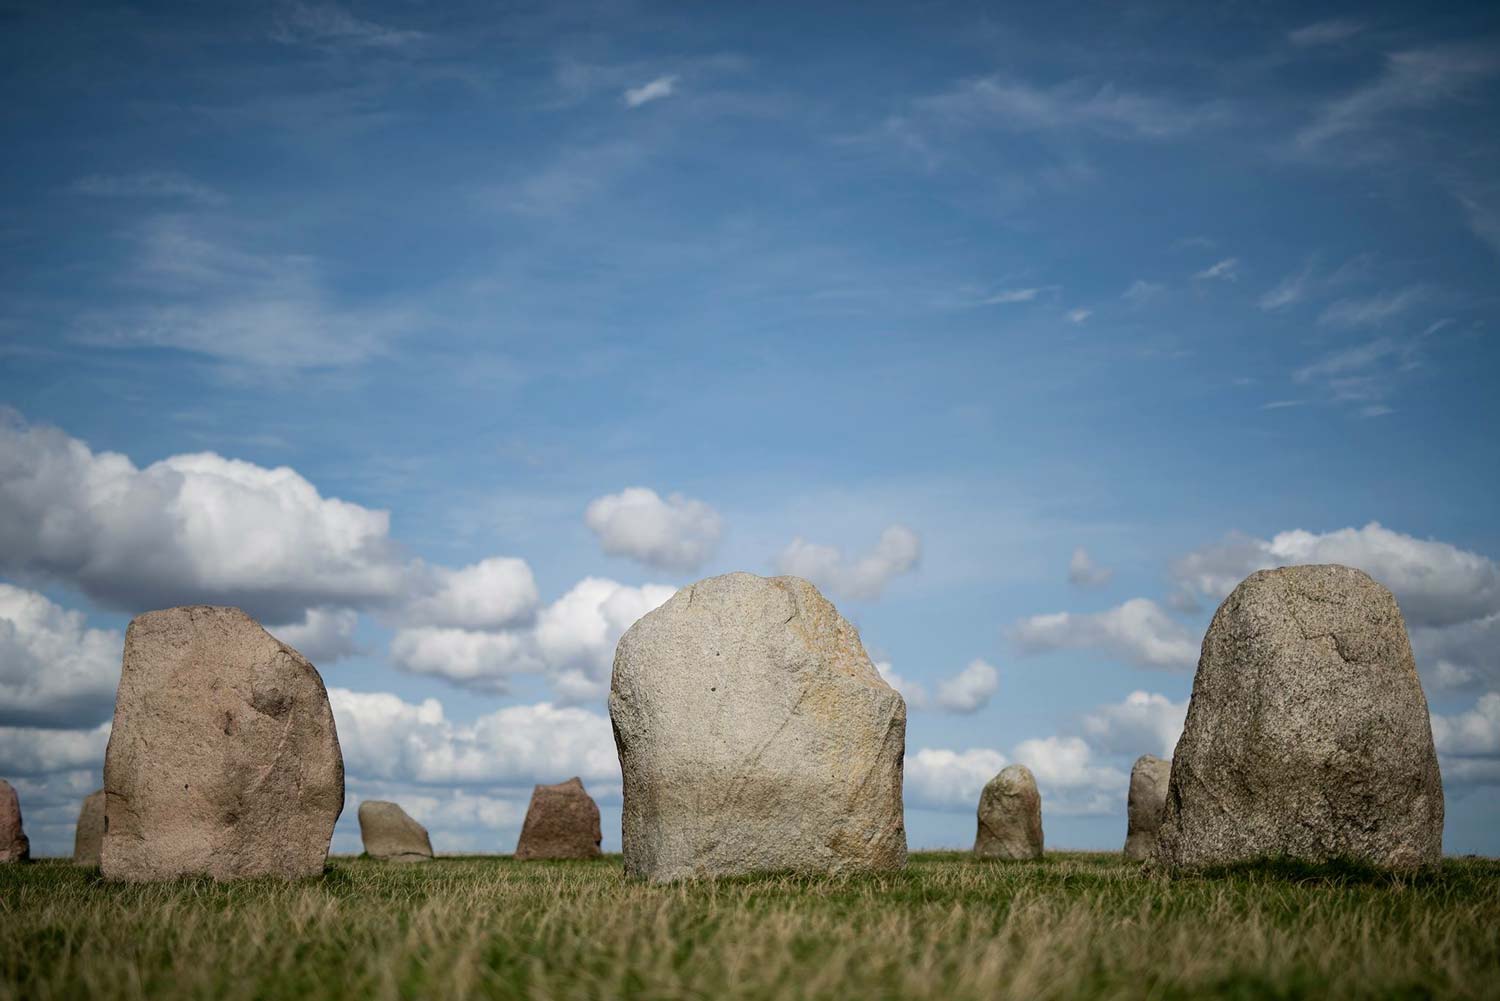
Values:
[(1410, 81), (1330, 32), (1140, 292), (655, 90), (328, 25), (1290, 290), (148, 184), (1012, 295), (187, 287), (1101, 108), (1226, 270), (1373, 310)]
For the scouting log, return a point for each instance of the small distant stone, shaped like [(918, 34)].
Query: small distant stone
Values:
[(1308, 736), (14, 846), (1010, 816), (1147, 802), (88, 839), (562, 822), (223, 760), (390, 833)]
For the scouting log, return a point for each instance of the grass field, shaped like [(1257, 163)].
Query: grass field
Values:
[(1073, 925)]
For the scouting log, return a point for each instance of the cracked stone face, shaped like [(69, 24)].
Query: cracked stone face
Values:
[(755, 735), (1145, 805), (1010, 816), (389, 833), (223, 760), (1307, 735)]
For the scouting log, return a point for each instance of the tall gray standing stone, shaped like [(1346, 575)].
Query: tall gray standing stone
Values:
[(1307, 736), (1010, 816), (14, 845), (223, 760), (88, 838), (1145, 805), (389, 833), (755, 735)]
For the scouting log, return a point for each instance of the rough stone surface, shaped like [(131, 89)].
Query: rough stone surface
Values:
[(755, 735), (1307, 736), (223, 760), (14, 846), (1010, 816), (561, 822), (390, 833), (88, 839), (1148, 798)]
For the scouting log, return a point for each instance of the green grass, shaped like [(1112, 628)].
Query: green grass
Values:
[(1073, 925)]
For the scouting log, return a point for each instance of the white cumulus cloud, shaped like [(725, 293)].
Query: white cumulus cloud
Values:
[(914, 692), (1144, 723), (1139, 631), (385, 737), (1472, 733), (1070, 780), (1437, 584), (946, 780), (323, 636), (483, 661), (188, 529), (1068, 777), (862, 577), (493, 593), (571, 642), (54, 671), (969, 690), (674, 534), (33, 751)]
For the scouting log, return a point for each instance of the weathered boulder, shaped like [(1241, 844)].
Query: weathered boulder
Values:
[(14, 846), (88, 838), (1010, 816), (1148, 798), (1307, 736), (390, 833), (561, 822), (755, 735), (223, 760)]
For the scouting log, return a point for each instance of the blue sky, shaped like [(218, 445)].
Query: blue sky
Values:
[(448, 339)]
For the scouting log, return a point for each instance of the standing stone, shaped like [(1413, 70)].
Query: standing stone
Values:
[(14, 846), (390, 834), (1148, 798), (1010, 816), (88, 839), (1307, 736), (223, 760), (561, 822), (755, 735)]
